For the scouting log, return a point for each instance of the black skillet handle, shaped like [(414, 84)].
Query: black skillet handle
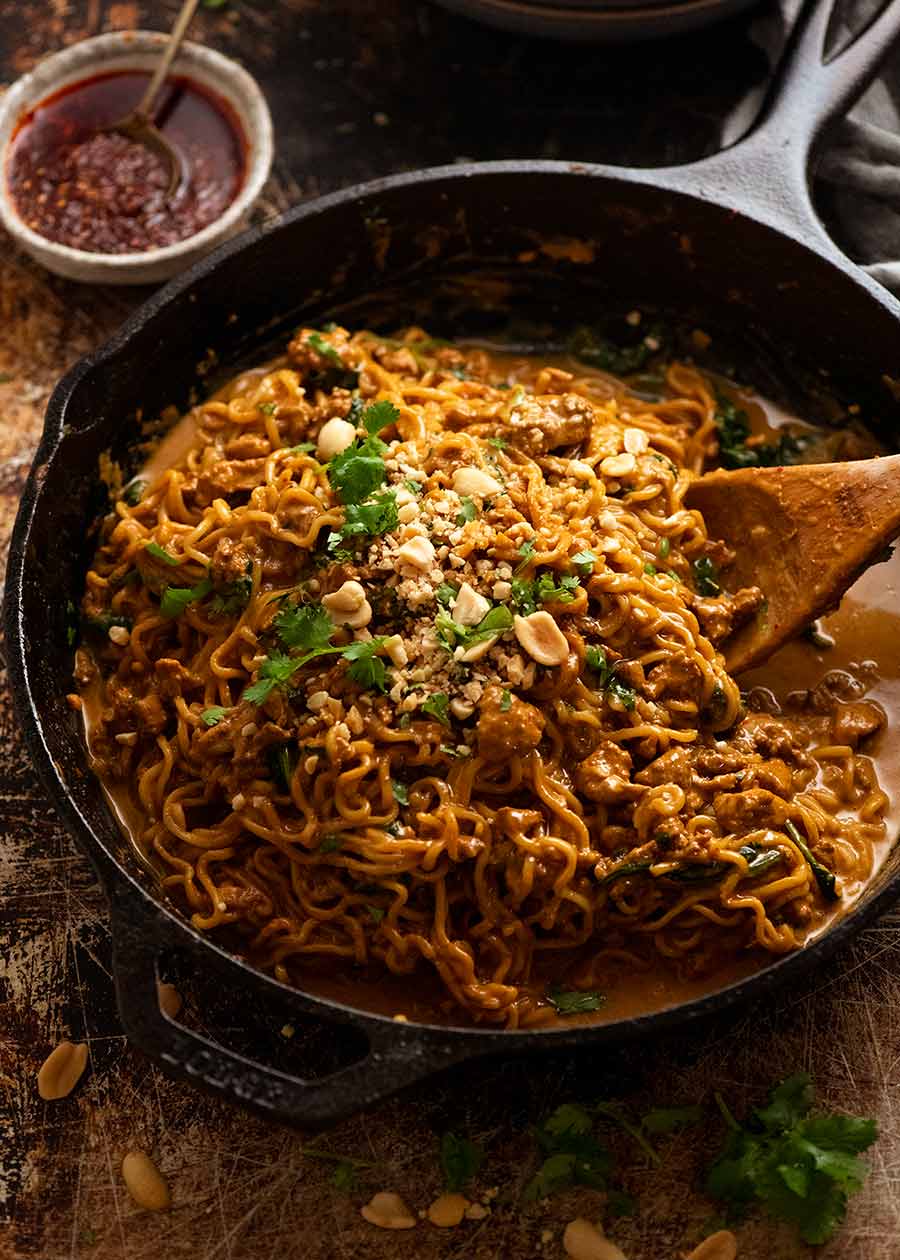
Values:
[(767, 172), (397, 1054)]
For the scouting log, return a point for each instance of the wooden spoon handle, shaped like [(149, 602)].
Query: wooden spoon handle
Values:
[(179, 30)]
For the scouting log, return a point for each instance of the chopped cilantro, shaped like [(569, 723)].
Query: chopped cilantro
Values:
[(321, 347), (500, 443), (526, 595), (344, 1177), (591, 347), (158, 553), (584, 560), (799, 1165), (175, 599), (662, 1120), (302, 448), (304, 626), (358, 471), (573, 1001), (401, 796), (267, 408), (376, 516), (467, 511), (378, 416), (706, 577), (460, 1161), (446, 593), (213, 715), (505, 701), (414, 487), (436, 706), (735, 452), (366, 669), (595, 659), (572, 1155), (275, 671), (495, 622), (232, 598)]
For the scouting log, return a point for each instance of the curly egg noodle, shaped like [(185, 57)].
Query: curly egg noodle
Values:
[(410, 660)]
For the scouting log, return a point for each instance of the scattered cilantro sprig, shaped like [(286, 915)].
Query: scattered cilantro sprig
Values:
[(798, 1165), (460, 1161), (358, 471), (527, 595)]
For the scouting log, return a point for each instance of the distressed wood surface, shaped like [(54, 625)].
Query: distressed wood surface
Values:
[(347, 81)]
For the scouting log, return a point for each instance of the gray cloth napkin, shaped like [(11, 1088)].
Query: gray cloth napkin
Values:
[(861, 167)]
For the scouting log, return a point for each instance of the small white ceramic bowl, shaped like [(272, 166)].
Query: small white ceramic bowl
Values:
[(138, 50)]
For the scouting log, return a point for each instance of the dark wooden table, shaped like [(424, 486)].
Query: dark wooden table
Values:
[(360, 88)]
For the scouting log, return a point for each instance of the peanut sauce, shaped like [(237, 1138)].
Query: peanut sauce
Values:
[(107, 194)]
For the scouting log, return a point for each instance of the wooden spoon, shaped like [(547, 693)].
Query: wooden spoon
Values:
[(802, 534)]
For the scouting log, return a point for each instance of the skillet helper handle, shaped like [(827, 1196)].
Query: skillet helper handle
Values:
[(396, 1056), (767, 171)]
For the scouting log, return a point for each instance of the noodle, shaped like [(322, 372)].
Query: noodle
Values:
[(450, 697)]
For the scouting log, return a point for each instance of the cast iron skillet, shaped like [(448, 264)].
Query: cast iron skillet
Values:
[(734, 237)]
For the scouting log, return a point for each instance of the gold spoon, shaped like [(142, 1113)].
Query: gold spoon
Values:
[(802, 534), (138, 125)]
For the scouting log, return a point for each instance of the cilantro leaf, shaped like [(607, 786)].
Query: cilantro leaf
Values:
[(584, 560), (437, 706), (460, 1161), (233, 597), (344, 1177), (376, 516), (590, 346), (662, 1120), (574, 1001), (378, 416), (734, 451), (573, 1155), (175, 599), (159, 553), (401, 796), (706, 577), (358, 471), (467, 511), (304, 625), (322, 348), (494, 622), (275, 671), (800, 1167), (213, 715), (366, 668), (595, 659), (446, 593), (498, 442), (505, 701)]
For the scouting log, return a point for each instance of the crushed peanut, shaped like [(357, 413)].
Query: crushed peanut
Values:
[(388, 1211), (584, 1241)]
